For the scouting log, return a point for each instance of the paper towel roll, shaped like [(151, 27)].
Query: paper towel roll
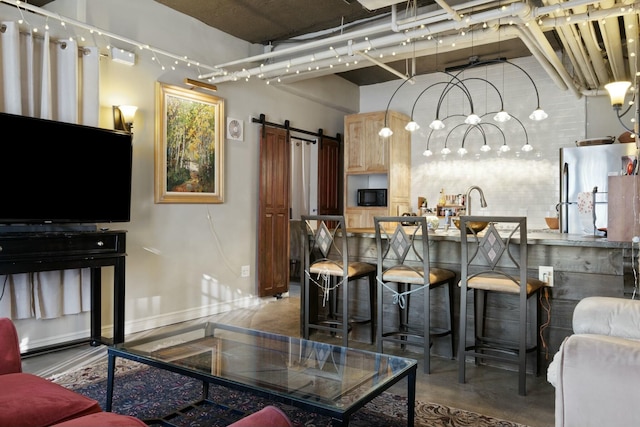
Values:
[(585, 202)]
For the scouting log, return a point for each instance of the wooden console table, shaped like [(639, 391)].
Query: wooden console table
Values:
[(26, 252)]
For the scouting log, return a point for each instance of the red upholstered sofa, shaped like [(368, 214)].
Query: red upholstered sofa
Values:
[(28, 400)]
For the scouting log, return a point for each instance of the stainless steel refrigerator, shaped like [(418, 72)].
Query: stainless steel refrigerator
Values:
[(584, 173)]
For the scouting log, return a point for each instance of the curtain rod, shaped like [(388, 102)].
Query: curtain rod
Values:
[(262, 121)]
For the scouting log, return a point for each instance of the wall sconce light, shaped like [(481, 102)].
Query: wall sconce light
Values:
[(617, 92), (123, 117)]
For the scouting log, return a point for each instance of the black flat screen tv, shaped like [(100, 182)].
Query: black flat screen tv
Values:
[(61, 173)]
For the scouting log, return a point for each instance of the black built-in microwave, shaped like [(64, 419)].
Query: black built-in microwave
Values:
[(372, 197)]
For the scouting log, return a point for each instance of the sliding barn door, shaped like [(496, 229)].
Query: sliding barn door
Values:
[(329, 177), (273, 223)]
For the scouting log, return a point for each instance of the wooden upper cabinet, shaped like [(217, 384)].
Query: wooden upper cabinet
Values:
[(365, 150), (370, 158)]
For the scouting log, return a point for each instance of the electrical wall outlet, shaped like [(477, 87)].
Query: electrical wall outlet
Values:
[(245, 271), (545, 273)]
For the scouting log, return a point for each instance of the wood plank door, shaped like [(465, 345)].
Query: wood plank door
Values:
[(329, 177), (273, 222)]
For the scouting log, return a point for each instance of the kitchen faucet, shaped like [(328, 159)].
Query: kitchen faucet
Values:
[(467, 199)]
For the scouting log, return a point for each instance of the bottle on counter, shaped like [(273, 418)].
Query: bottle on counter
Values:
[(422, 209), (443, 200)]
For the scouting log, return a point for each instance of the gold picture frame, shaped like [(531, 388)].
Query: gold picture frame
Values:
[(189, 146)]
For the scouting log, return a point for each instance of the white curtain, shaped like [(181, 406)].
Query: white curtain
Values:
[(49, 79), (300, 177)]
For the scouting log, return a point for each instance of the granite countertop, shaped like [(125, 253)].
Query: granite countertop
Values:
[(534, 237)]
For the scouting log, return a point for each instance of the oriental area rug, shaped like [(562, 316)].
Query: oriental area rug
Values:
[(150, 394)]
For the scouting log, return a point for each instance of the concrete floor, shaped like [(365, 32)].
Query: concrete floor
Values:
[(489, 391)]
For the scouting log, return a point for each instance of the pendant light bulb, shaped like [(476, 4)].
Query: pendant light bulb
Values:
[(505, 148), (485, 148), (427, 153), (412, 126), (462, 151), (538, 114), (445, 151), (437, 124), (526, 147), (502, 116), (472, 119), (385, 132)]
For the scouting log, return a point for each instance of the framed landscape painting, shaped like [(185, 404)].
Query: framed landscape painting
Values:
[(189, 148)]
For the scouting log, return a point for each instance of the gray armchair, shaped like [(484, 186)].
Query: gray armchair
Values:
[(596, 371)]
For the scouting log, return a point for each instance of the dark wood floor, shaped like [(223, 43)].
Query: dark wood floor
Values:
[(488, 390)]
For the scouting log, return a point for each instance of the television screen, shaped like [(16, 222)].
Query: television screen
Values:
[(62, 173)]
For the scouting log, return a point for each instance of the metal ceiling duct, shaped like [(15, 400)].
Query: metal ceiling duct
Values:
[(590, 33)]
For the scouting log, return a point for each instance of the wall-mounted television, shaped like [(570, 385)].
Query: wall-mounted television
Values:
[(61, 173)]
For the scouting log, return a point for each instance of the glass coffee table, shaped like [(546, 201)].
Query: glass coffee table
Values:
[(326, 379)]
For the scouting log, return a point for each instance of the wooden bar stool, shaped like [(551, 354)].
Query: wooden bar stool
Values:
[(404, 261), (493, 264), (327, 267)]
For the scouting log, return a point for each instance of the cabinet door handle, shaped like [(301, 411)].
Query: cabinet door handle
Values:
[(0, 248), (100, 243)]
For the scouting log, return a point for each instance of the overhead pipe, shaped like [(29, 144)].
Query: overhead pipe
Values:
[(383, 65), (398, 27), (535, 31), (535, 50), (563, 81), (576, 58), (547, 50), (610, 30), (595, 54), (440, 25), (590, 50), (633, 49), (594, 15), (522, 11), (428, 17), (488, 35), (557, 7), (595, 59), (573, 41), (479, 37), (389, 40), (519, 9), (445, 6), (569, 37), (579, 75), (419, 47)]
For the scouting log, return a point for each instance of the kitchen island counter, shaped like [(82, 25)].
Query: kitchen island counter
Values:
[(534, 237), (583, 265)]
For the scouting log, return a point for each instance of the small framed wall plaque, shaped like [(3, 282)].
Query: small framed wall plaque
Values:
[(235, 129)]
